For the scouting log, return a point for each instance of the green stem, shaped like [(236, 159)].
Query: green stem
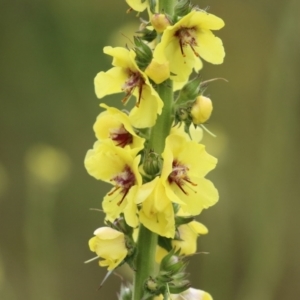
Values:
[(147, 240), (161, 129), (145, 261)]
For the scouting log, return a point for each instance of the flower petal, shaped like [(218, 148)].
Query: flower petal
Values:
[(150, 105), (210, 47), (110, 82)]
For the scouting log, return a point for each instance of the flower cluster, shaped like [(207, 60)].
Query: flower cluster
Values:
[(151, 153)]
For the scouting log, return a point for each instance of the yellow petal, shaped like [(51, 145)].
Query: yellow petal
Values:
[(105, 161), (205, 20), (201, 196), (150, 105), (110, 82), (157, 71), (210, 47), (111, 121), (121, 56), (137, 5)]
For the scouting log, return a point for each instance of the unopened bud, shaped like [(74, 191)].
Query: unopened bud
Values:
[(201, 110), (151, 285), (160, 22), (152, 164), (125, 293), (143, 53)]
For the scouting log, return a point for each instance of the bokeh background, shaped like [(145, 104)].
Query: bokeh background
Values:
[(50, 53)]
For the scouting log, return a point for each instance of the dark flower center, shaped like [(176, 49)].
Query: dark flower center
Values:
[(187, 37), (179, 176), (121, 136), (124, 181), (134, 80)]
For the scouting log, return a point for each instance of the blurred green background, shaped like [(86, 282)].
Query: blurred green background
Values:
[(50, 53)]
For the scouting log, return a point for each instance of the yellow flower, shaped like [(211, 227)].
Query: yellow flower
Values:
[(184, 167), (189, 294), (116, 166), (188, 234), (109, 244), (201, 110), (138, 5), (156, 212), (189, 39), (126, 77), (115, 125), (192, 294)]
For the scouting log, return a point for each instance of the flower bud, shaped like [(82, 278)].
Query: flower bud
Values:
[(182, 8), (110, 245), (201, 110), (189, 91), (125, 293), (152, 164), (160, 22), (143, 53), (151, 285)]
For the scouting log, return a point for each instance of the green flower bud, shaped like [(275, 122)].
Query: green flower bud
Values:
[(151, 284), (189, 91), (179, 286), (147, 34), (125, 293), (143, 53), (152, 164), (182, 8)]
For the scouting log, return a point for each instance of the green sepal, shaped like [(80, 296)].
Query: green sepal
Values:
[(152, 287), (147, 34), (172, 262), (171, 276), (182, 8), (143, 53), (190, 91), (183, 220), (165, 243), (120, 224), (152, 4), (179, 287)]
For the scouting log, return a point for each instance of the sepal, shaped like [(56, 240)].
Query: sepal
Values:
[(182, 8), (152, 5), (125, 292), (143, 53), (179, 220), (147, 34), (190, 91)]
